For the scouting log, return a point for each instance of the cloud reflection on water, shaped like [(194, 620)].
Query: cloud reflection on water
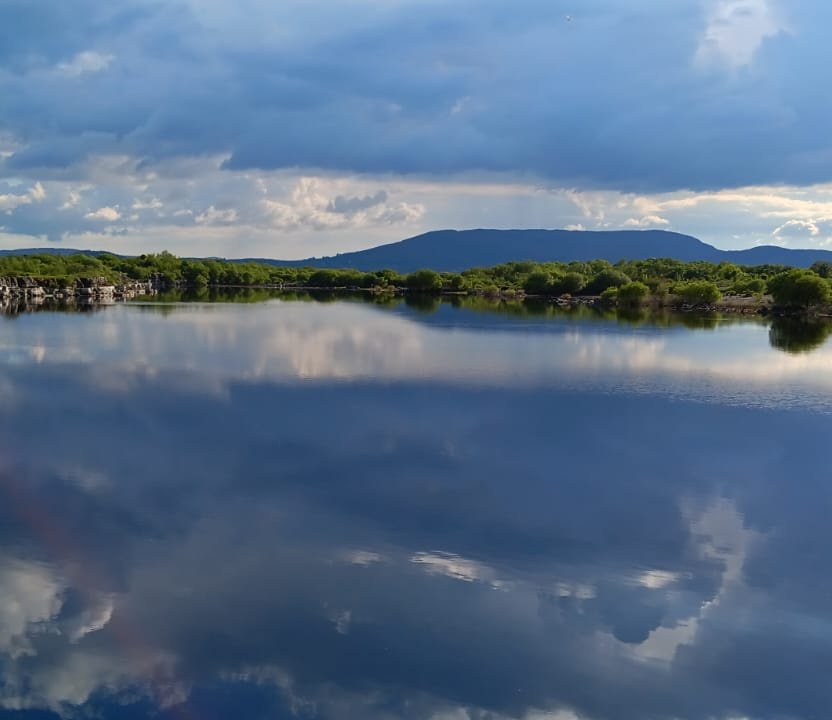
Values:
[(287, 341), (401, 548)]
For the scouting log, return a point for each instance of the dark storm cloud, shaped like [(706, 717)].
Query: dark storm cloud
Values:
[(619, 96)]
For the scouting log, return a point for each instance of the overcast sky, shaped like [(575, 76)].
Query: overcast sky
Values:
[(296, 128)]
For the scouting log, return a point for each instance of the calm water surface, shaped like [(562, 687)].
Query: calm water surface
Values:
[(307, 510)]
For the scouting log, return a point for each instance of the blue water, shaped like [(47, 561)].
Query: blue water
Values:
[(341, 510)]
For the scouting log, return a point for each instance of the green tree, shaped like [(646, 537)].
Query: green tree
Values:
[(538, 283), (607, 277), (799, 288), (389, 277), (697, 292), (195, 273), (822, 268), (323, 278), (632, 293), (457, 283), (424, 281), (749, 286), (571, 283)]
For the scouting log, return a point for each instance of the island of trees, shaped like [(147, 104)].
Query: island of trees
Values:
[(627, 283)]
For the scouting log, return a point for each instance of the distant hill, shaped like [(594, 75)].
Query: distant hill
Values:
[(57, 251), (455, 250)]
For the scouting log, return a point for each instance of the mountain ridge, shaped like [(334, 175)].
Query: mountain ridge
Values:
[(456, 250)]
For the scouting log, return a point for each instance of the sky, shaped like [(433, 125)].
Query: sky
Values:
[(303, 128)]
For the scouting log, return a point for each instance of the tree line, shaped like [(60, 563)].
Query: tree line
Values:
[(630, 282)]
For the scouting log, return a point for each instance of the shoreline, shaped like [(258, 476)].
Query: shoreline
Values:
[(25, 293), (82, 289), (700, 287)]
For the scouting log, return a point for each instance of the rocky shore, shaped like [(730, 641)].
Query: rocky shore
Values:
[(32, 291)]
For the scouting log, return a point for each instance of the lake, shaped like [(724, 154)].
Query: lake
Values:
[(343, 509)]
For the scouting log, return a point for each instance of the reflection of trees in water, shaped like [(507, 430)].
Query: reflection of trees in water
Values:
[(792, 335), (19, 306), (631, 315), (542, 307), (797, 335), (427, 303), (423, 302), (663, 318), (697, 321), (209, 294)]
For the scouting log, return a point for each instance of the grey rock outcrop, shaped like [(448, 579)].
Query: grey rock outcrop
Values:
[(94, 289)]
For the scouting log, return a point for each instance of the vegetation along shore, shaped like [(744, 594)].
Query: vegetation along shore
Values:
[(659, 282)]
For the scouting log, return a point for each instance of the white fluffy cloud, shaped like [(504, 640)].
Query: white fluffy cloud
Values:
[(291, 215), (647, 221), (9, 202), (109, 214), (806, 231), (799, 228), (309, 205), (729, 219)]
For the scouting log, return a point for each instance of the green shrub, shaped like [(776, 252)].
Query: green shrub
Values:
[(749, 286), (538, 283), (632, 293), (609, 277), (571, 283), (697, 292), (799, 288), (424, 281)]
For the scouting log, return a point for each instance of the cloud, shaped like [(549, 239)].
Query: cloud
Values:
[(735, 31), (428, 90), (72, 199), (691, 102), (30, 594), (647, 221), (37, 193), (292, 215), (110, 214), (798, 229), (213, 216), (92, 619), (308, 206), (85, 62), (662, 597), (349, 205), (9, 202), (152, 204), (455, 567)]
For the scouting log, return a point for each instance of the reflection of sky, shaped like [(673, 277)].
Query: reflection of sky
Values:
[(217, 544), (348, 341)]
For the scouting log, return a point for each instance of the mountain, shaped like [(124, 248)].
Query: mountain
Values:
[(455, 250), (774, 255), (57, 251)]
